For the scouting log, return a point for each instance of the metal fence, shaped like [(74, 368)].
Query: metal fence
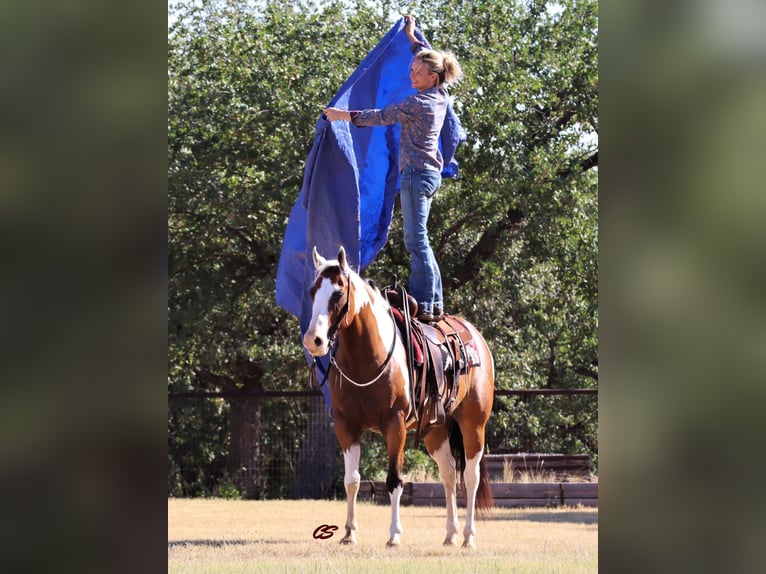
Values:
[(274, 444)]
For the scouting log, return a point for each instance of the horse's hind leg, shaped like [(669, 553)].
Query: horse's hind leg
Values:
[(437, 443), (473, 442), (396, 434)]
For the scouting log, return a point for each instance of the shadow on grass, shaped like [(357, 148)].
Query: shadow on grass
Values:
[(223, 543), (574, 516)]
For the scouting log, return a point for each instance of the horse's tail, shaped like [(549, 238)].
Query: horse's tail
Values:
[(484, 500)]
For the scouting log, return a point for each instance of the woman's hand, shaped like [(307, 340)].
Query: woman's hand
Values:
[(409, 27), (334, 114)]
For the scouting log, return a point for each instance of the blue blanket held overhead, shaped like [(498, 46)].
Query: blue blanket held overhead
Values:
[(351, 178)]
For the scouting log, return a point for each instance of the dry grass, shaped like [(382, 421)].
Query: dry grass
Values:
[(538, 474), (418, 475), (223, 536)]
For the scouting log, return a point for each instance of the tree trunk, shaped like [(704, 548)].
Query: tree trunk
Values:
[(316, 461), (485, 247), (244, 457), (245, 446)]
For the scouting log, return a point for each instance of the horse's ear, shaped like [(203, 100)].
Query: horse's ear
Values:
[(318, 259), (342, 260)]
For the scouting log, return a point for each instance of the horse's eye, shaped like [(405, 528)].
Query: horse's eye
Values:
[(335, 299)]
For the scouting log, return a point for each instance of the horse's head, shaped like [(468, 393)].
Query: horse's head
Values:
[(332, 299)]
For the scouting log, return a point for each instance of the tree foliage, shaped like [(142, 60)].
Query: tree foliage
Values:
[(515, 235)]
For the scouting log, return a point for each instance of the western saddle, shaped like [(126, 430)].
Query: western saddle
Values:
[(437, 355)]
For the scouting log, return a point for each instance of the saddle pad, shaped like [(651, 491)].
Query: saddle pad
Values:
[(457, 329), (472, 357)]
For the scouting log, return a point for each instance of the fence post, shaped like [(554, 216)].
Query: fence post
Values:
[(245, 446)]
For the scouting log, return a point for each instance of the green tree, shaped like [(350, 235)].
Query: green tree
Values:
[(516, 235), (239, 129)]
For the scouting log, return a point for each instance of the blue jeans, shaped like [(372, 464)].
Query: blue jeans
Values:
[(417, 190)]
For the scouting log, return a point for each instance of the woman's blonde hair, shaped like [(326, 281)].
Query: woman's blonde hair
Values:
[(443, 64)]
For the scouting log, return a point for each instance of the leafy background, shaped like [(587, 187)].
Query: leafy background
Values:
[(516, 235)]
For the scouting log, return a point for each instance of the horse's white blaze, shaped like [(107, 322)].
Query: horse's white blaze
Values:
[(448, 476), (319, 324)]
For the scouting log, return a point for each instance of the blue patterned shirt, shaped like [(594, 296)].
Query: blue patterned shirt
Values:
[(422, 116)]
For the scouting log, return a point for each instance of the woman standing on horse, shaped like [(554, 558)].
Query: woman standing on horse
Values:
[(420, 162)]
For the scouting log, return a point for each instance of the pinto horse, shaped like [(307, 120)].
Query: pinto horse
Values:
[(370, 390)]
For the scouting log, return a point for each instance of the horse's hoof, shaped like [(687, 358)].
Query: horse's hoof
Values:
[(393, 543), (450, 541), (348, 540), (470, 544)]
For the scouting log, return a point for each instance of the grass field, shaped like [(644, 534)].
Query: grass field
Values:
[(226, 536)]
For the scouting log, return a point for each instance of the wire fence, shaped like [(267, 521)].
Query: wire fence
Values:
[(275, 444)]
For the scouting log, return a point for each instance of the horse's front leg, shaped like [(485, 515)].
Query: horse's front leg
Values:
[(437, 443), (351, 480), (396, 434)]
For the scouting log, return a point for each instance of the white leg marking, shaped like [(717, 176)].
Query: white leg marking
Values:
[(471, 477), (351, 479), (447, 474), (396, 525)]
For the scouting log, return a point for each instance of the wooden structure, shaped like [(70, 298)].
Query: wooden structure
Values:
[(558, 467), (506, 494)]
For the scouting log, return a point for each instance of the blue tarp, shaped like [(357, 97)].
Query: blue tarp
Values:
[(351, 177)]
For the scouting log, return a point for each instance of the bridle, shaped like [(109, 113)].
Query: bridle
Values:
[(332, 332)]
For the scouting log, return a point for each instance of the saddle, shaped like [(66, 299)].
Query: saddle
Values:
[(437, 355)]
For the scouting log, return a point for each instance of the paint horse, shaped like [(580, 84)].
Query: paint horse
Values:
[(370, 390)]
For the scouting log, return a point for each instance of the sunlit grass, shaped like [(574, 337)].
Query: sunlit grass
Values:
[(222, 536)]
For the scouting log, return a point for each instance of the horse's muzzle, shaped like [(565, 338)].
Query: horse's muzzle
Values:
[(315, 345)]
